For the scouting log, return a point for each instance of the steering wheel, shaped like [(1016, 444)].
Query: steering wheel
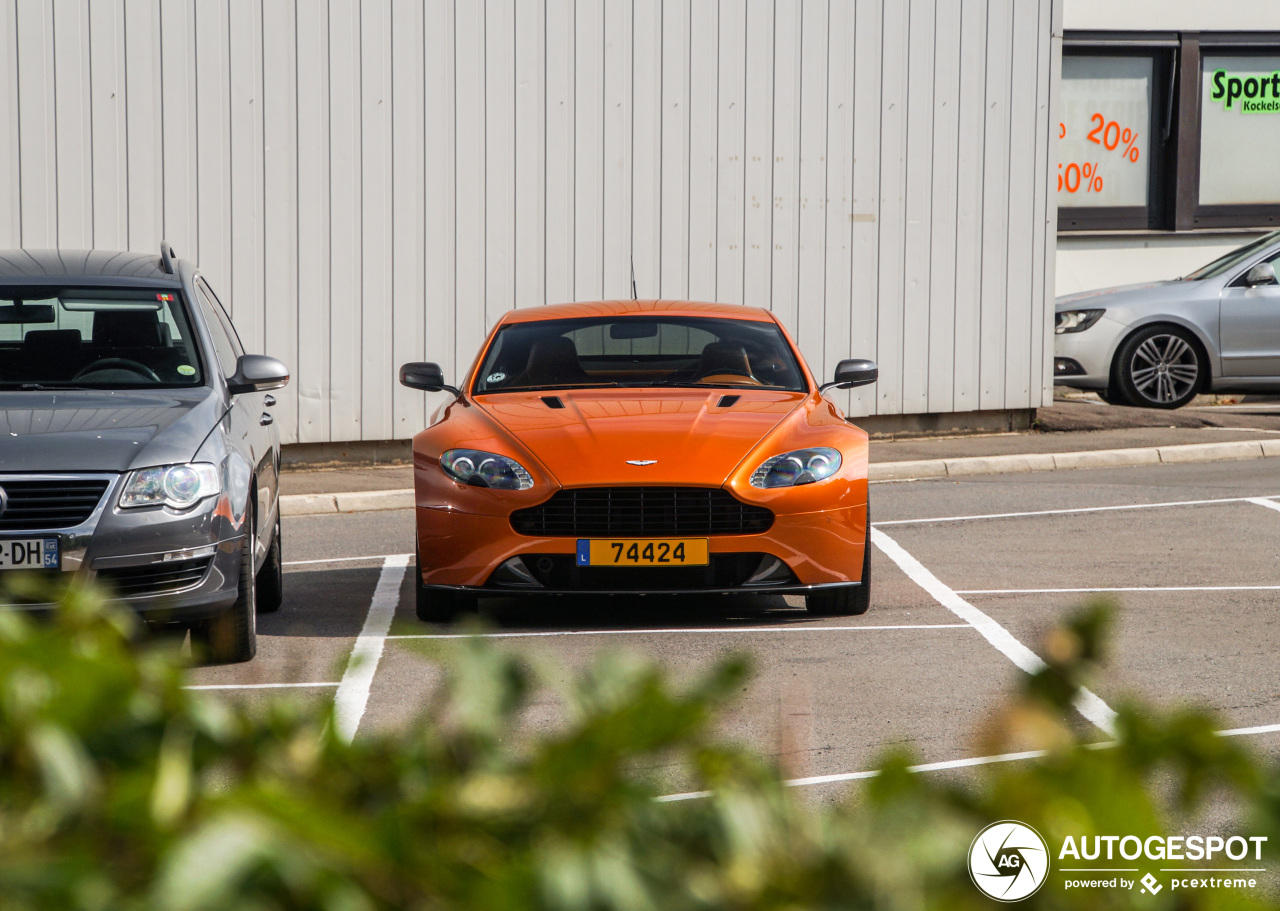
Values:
[(117, 363)]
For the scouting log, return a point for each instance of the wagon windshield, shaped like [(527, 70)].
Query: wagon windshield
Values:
[(640, 351), (95, 338)]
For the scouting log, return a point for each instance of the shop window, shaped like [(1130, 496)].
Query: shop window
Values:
[(1168, 131)]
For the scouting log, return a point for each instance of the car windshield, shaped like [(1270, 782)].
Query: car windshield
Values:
[(96, 339), (639, 351), (1234, 258)]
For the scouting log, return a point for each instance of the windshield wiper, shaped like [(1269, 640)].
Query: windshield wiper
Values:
[(42, 387)]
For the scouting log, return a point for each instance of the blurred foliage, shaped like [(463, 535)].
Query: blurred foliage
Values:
[(121, 790)]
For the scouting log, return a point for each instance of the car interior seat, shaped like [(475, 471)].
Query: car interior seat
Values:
[(553, 361), (51, 354)]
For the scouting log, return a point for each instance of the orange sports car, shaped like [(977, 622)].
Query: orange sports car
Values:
[(660, 447)]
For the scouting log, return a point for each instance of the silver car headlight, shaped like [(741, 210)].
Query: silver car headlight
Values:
[(177, 486), (801, 466), (485, 469), (1076, 320)]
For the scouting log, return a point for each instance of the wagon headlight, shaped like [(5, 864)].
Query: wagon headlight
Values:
[(177, 486), (1076, 320), (802, 466), (485, 469)]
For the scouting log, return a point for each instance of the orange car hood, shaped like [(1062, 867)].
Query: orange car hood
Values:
[(690, 437)]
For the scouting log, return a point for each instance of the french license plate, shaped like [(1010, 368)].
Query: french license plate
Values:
[(29, 553), (644, 552)]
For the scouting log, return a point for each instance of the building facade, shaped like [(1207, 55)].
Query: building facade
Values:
[(368, 182), (1169, 109)]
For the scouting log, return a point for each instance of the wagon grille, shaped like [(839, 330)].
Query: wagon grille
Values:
[(600, 512), (156, 578), (30, 505)]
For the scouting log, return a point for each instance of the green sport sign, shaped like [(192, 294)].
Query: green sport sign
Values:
[(1259, 94)]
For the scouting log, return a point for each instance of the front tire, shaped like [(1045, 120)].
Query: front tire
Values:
[(436, 605), (271, 577), (846, 602), (1159, 367), (232, 636)]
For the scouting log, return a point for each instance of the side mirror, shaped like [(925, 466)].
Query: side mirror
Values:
[(1261, 274), (425, 376), (853, 372), (257, 373)]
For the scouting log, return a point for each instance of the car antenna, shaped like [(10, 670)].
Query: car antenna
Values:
[(633, 279)]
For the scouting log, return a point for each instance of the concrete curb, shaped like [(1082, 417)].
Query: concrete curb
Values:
[(1057, 461), (318, 504), (313, 504)]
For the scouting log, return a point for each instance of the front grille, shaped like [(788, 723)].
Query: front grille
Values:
[(32, 505), (631, 512), (155, 578)]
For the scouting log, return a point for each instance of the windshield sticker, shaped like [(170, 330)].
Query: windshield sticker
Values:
[(186, 370), (495, 378)]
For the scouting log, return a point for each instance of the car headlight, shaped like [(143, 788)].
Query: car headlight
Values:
[(1076, 320), (485, 469), (178, 486), (802, 466)]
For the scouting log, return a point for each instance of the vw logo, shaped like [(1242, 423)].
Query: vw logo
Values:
[(4, 501), (642, 462), (1008, 861)]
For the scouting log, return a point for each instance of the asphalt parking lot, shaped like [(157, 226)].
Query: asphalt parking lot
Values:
[(968, 575)]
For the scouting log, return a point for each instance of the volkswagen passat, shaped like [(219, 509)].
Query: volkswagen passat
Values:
[(640, 446), (136, 441), (1159, 344)]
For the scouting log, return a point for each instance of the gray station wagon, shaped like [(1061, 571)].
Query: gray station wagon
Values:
[(136, 442)]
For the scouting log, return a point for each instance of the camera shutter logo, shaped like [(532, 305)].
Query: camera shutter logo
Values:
[(1008, 861)]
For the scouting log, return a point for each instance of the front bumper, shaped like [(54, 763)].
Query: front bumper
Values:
[(165, 564), (1092, 351), (818, 549)]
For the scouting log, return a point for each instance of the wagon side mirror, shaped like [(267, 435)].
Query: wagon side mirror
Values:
[(853, 372), (426, 376), (1261, 274), (257, 373)]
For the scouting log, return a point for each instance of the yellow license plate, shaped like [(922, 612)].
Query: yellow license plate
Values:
[(644, 552)]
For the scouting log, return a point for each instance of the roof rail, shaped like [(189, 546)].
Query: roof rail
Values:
[(167, 257)]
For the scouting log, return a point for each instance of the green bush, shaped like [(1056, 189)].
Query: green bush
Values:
[(121, 790)]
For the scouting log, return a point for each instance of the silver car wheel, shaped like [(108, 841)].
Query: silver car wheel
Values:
[(1164, 368)]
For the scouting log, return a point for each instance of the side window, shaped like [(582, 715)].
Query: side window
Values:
[(222, 343)]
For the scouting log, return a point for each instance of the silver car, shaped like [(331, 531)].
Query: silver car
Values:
[(1158, 344), (136, 442)]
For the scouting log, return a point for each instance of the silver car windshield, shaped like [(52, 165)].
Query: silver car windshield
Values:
[(1235, 258), (95, 338), (639, 351)]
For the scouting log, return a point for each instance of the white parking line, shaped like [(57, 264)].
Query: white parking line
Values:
[(344, 559), (1135, 588), (1263, 501), (1086, 702), (252, 686), (1063, 512), (353, 692), (958, 763), (641, 632)]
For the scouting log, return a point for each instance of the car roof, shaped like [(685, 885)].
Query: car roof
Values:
[(637, 308), (97, 267)]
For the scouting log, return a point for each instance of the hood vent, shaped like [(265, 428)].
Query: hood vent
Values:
[(553, 401), (728, 401)]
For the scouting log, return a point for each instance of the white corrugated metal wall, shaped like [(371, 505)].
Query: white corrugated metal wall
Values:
[(368, 182)]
